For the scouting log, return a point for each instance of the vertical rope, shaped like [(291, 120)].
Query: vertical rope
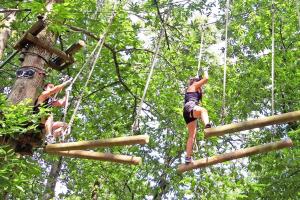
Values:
[(225, 61), (273, 58), (196, 148), (200, 50), (154, 61), (298, 12), (97, 54)]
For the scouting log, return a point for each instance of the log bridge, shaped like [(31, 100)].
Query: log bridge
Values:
[(241, 126), (205, 162), (256, 123), (75, 149)]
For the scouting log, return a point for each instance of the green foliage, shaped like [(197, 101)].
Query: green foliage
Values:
[(114, 91), (19, 119), (16, 174)]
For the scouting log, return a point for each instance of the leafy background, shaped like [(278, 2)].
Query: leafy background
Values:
[(113, 94)]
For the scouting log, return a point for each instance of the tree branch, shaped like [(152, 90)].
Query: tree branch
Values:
[(149, 51), (102, 88), (162, 23)]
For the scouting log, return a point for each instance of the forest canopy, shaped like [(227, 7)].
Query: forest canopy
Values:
[(260, 34)]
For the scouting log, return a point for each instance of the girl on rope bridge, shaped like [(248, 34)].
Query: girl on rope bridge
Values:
[(46, 100), (192, 111)]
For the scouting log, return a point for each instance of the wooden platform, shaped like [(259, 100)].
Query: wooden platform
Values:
[(205, 162), (256, 123), (34, 30), (62, 59)]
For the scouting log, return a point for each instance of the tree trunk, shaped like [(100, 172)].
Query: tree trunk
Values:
[(95, 190), (6, 31), (28, 88), (161, 189), (49, 191)]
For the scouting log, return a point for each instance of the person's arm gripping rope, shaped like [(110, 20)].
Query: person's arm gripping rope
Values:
[(52, 91), (203, 81)]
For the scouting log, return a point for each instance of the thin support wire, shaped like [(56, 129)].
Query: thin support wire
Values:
[(96, 57), (273, 59), (154, 61), (200, 51), (225, 61), (298, 12)]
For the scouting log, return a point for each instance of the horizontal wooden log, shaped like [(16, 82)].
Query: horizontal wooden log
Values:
[(57, 63), (119, 141), (35, 40), (34, 30), (256, 123), (99, 156), (205, 162), (75, 47)]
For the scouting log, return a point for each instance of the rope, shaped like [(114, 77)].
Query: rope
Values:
[(94, 56), (273, 57), (225, 61), (135, 125), (298, 12), (196, 148), (200, 51)]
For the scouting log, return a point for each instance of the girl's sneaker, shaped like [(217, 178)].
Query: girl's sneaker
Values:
[(188, 160), (208, 125)]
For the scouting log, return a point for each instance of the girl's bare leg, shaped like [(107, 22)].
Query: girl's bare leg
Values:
[(57, 125), (48, 125), (58, 128), (192, 129), (58, 132), (200, 112)]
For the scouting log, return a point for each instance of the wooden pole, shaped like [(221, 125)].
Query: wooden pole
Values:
[(35, 40), (99, 156), (120, 141), (58, 61), (205, 162), (256, 123), (35, 29)]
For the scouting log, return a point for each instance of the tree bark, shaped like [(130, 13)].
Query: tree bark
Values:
[(6, 31), (95, 190), (35, 57), (49, 191)]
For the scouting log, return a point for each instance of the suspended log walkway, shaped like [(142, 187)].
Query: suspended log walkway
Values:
[(205, 162), (256, 123), (99, 156), (74, 149), (119, 141)]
